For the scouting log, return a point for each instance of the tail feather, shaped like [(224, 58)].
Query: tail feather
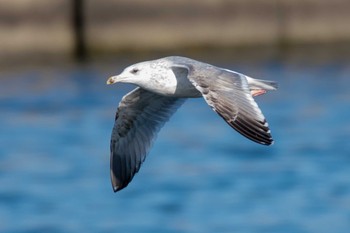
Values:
[(259, 84)]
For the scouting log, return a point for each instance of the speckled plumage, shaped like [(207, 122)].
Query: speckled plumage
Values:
[(164, 84)]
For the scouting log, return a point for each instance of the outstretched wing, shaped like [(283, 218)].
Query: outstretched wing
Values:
[(228, 94), (140, 116)]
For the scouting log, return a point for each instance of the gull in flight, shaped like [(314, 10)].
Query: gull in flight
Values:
[(163, 86)]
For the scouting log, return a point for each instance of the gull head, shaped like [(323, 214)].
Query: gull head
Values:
[(141, 74), (157, 76), (130, 74)]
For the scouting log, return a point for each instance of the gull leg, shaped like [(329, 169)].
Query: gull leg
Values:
[(257, 92)]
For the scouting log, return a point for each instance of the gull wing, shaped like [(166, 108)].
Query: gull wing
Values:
[(228, 94), (140, 116)]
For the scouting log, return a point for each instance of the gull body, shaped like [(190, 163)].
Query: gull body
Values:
[(163, 86)]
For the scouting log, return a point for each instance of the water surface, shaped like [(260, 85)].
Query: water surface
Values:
[(201, 176)]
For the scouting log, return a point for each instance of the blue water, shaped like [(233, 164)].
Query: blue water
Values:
[(201, 176)]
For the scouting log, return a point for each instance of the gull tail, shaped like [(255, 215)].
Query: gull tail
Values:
[(259, 86)]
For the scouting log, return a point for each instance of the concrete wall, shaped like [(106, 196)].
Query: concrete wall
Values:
[(41, 29), (33, 29)]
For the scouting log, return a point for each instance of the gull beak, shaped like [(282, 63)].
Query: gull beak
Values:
[(112, 80)]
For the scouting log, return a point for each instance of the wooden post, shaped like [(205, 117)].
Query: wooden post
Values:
[(78, 23)]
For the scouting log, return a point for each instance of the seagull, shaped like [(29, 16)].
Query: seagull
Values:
[(163, 86)]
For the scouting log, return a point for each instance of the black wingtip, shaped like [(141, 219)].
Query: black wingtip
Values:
[(270, 143), (117, 185), (116, 189)]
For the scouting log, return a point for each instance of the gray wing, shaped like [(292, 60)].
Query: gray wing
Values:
[(228, 94), (139, 117)]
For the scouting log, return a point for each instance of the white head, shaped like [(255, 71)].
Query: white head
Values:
[(161, 76), (143, 74)]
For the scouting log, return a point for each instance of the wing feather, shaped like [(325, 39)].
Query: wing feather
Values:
[(139, 117), (228, 94)]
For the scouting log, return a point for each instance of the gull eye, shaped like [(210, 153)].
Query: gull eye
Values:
[(134, 71)]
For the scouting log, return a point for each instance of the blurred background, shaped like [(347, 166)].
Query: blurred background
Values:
[(201, 176)]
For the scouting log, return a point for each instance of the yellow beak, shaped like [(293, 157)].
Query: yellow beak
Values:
[(112, 80)]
